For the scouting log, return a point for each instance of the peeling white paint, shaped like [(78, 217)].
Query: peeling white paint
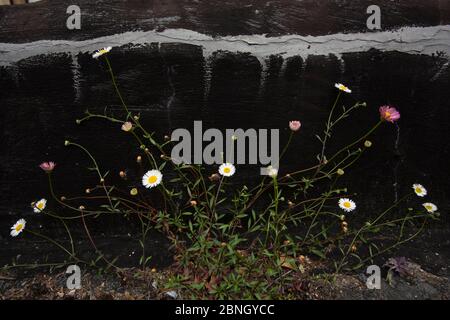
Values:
[(76, 77), (414, 40), (207, 76), (440, 72), (263, 76)]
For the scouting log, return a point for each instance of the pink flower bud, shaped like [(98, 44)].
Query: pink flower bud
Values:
[(47, 166), (295, 125)]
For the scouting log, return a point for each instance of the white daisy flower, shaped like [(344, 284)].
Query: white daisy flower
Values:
[(40, 205), (341, 87), (419, 190), (18, 227), (152, 178), (431, 207), (101, 52), (347, 204), (227, 169)]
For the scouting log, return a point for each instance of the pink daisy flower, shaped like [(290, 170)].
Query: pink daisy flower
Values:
[(47, 166), (389, 113)]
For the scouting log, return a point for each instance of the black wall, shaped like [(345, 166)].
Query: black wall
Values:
[(40, 98)]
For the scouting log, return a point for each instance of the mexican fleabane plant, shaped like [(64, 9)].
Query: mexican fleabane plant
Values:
[(230, 240)]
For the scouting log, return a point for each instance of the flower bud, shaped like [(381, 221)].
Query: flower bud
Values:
[(294, 125), (340, 172), (134, 192), (272, 172), (367, 144), (139, 159), (164, 157), (214, 177), (127, 126)]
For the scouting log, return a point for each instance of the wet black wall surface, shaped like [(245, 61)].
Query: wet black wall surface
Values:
[(47, 19), (40, 99)]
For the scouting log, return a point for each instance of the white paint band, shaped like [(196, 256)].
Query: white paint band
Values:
[(413, 40)]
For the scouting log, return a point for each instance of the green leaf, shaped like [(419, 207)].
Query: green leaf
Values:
[(319, 253)]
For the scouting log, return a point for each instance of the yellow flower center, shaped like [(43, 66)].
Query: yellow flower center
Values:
[(429, 207), (152, 179), (19, 227), (227, 170), (40, 205), (347, 204), (418, 190), (387, 114)]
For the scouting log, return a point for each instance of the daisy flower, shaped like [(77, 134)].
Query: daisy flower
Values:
[(341, 87), (152, 178), (39, 206), (431, 207), (294, 125), (101, 52), (47, 166), (227, 169), (388, 113), (419, 190), (18, 227), (347, 204)]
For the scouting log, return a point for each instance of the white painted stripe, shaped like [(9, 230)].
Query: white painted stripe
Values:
[(414, 40)]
